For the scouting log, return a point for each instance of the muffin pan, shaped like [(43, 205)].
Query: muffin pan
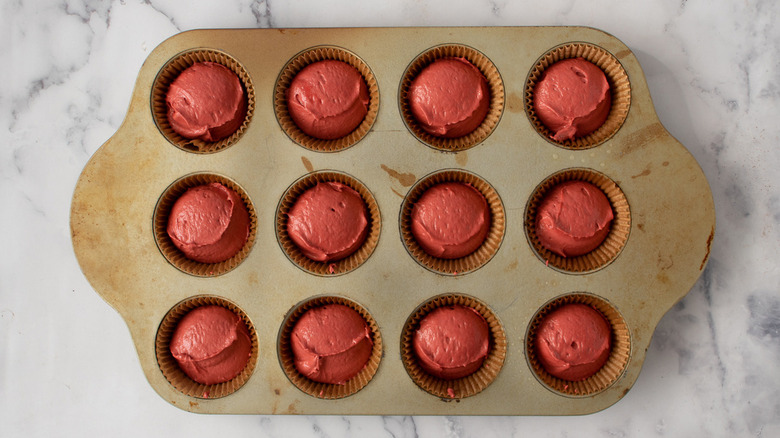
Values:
[(657, 250)]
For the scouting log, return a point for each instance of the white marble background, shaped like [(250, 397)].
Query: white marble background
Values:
[(67, 363)]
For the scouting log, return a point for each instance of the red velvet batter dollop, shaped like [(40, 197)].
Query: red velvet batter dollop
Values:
[(211, 344), (450, 220), (573, 342), (452, 342), (449, 98), (572, 98), (328, 99), (331, 343), (207, 102), (573, 218), (209, 223), (328, 222)]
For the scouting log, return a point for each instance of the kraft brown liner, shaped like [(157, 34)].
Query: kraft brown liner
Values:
[(336, 267), (292, 68), (616, 363), (620, 88), (466, 386), (327, 391), (171, 71), (495, 86), (170, 368), (612, 245), (481, 255), (177, 258)]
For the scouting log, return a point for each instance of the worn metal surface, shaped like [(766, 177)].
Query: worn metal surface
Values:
[(672, 212)]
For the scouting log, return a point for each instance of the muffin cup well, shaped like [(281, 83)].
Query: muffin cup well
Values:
[(296, 64), (495, 85), (170, 71), (160, 226), (617, 361), (612, 245), (466, 386), (327, 391), (481, 255), (336, 267), (620, 89), (170, 367)]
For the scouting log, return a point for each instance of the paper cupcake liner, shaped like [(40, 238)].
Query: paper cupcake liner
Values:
[(171, 71), (495, 85), (612, 245), (466, 386), (160, 225), (327, 391), (170, 368), (336, 267), (620, 88), (616, 363), (292, 68), (481, 255)]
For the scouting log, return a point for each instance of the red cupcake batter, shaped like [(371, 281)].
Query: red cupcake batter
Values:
[(209, 223), (573, 218), (450, 220), (452, 342), (572, 98), (328, 99), (449, 98), (573, 342), (331, 344), (211, 344), (207, 102), (328, 222)]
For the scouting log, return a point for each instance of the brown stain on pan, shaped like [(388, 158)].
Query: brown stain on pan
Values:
[(709, 246), (307, 164), (515, 103), (664, 262), (642, 173), (406, 179), (642, 138)]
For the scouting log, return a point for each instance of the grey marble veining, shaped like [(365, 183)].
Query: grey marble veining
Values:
[(67, 363)]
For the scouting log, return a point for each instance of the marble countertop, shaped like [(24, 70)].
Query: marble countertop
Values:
[(67, 363)]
